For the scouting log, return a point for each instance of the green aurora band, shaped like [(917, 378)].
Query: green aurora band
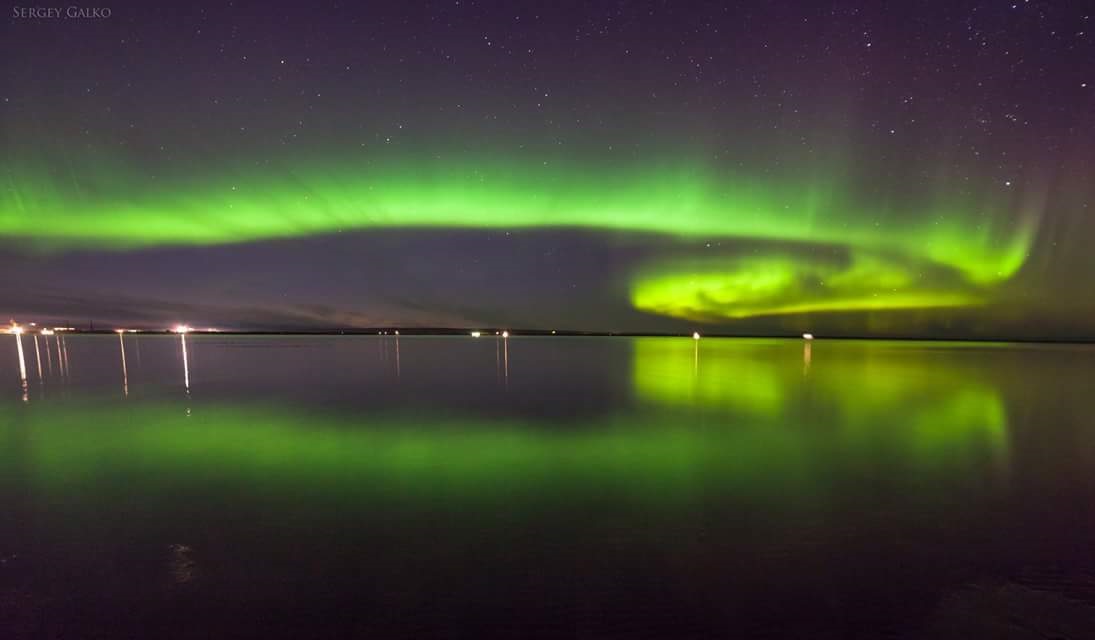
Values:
[(810, 247)]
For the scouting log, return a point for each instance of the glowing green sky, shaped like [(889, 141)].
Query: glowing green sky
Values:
[(801, 246), (126, 209)]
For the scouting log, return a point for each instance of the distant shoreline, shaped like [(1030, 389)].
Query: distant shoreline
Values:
[(496, 333)]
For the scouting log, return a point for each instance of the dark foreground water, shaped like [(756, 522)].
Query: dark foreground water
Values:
[(296, 487)]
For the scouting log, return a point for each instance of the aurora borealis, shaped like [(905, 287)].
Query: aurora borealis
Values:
[(855, 170), (886, 269)]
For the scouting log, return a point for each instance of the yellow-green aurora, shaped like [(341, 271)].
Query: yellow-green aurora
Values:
[(818, 245)]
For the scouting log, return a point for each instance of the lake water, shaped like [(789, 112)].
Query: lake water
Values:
[(453, 487)]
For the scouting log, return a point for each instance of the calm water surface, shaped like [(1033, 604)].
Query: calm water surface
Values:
[(545, 487)]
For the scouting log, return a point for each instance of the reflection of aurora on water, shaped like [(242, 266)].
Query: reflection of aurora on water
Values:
[(790, 248), (928, 410), (744, 419)]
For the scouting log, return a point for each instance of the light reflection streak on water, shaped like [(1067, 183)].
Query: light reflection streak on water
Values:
[(125, 372), (22, 362), (49, 356), (62, 355), (38, 356), (22, 366), (186, 362)]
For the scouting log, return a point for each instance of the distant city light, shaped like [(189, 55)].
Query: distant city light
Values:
[(505, 334), (695, 335), (807, 336), (476, 334), (181, 328), (46, 332), (15, 329), (120, 330)]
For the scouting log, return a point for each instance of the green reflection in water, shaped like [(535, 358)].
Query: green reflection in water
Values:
[(934, 404), (761, 422), (73, 451), (668, 372)]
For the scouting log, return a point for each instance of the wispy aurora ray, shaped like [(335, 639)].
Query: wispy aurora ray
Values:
[(978, 242)]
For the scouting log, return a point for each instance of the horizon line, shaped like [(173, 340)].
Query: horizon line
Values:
[(488, 332)]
